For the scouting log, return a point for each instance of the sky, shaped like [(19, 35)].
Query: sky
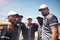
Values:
[(28, 8)]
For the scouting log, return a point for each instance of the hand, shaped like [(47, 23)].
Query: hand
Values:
[(4, 23), (10, 28)]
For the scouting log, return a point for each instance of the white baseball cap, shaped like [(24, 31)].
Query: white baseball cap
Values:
[(21, 15), (43, 6), (39, 16), (29, 17), (12, 13)]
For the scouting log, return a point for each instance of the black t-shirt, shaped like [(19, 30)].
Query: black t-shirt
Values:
[(16, 32), (28, 33)]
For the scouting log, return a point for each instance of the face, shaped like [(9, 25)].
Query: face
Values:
[(18, 19), (45, 11), (11, 18), (29, 20), (40, 20)]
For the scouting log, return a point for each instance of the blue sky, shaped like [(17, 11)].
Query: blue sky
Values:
[(28, 8)]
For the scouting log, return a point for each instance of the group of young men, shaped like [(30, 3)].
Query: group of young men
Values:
[(47, 27)]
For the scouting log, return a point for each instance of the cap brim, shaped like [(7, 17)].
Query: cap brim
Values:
[(17, 15), (39, 10), (29, 18), (42, 8), (39, 18), (21, 16)]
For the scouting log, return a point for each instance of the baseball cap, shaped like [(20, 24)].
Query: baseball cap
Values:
[(21, 15), (12, 13), (42, 6), (39, 17), (29, 17)]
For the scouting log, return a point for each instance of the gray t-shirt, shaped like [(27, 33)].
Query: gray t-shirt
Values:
[(49, 21), (39, 32)]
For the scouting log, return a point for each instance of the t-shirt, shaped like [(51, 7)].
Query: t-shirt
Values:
[(29, 31), (16, 31), (39, 31), (49, 21)]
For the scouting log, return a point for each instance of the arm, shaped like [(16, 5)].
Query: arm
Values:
[(53, 23), (8, 25), (10, 28), (54, 30), (36, 26), (4, 23)]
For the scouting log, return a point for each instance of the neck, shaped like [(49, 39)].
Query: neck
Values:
[(40, 23), (28, 24)]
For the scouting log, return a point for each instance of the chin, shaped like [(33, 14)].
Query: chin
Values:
[(44, 14)]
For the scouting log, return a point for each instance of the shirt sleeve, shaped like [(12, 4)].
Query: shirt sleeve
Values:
[(23, 26), (53, 21), (36, 27)]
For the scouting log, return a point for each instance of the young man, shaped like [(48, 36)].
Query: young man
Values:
[(17, 25), (40, 24), (7, 26), (20, 25), (29, 29), (13, 18), (50, 24)]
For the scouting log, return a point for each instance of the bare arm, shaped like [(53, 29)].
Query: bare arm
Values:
[(3, 23), (10, 28), (54, 30), (8, 25)]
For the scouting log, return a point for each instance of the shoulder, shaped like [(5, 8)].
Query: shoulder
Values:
[(51, 16), (22, 24), (35, 24)]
